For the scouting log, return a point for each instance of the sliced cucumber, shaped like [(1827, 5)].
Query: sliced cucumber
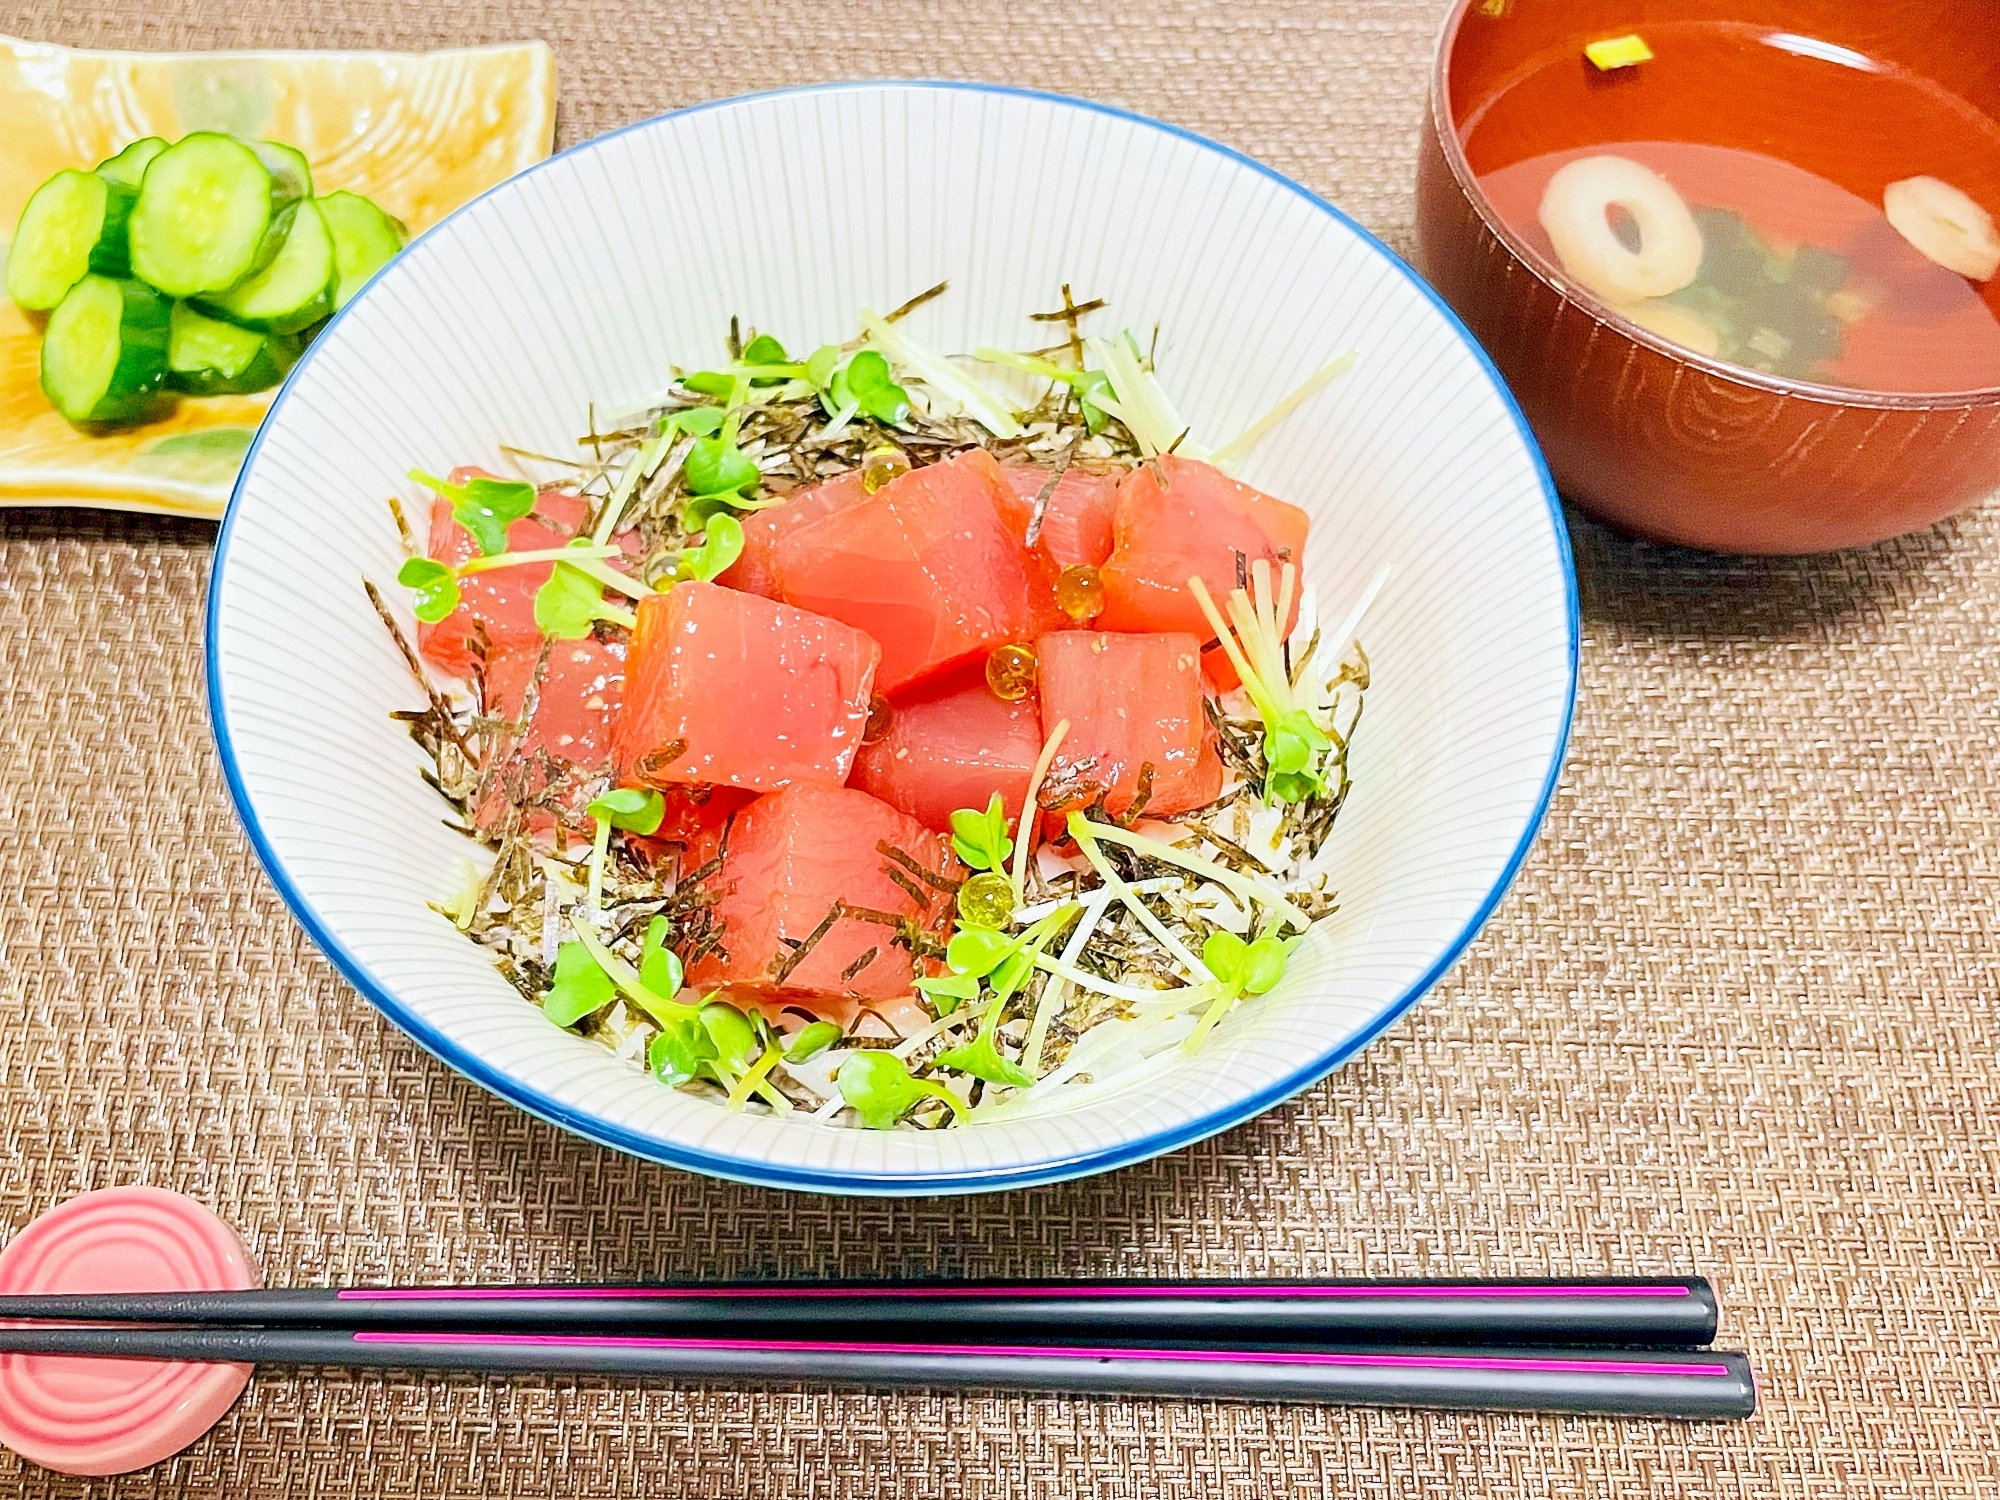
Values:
[(129, 165), (364, 240), (208, 357), (287, 162), (104, 354), (73, 225), (207, 215), (296, 289)]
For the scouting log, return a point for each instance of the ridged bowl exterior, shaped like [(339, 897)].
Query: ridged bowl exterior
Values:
[(1661, 441), (581, 280)]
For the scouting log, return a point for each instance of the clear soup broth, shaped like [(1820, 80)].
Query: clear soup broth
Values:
[(1763, 198)]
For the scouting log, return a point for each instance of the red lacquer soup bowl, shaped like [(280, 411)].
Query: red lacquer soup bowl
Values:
[(1845, 99)]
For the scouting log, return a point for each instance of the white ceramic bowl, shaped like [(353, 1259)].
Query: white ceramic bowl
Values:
[(580, 280)]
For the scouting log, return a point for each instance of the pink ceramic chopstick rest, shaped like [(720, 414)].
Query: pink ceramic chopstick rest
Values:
[(96, 1416)]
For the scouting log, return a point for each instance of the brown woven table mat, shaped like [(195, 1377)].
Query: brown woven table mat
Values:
[(1738, 1015)]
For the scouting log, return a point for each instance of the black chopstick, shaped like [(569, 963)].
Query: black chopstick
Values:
[(1693, 1385), (1667, 1313)]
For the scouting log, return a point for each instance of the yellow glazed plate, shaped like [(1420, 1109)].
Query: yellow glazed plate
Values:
[(420, 134)]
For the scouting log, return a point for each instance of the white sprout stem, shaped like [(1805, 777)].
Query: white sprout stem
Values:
[(940, 374), (1110, 989), (939, 1027), (1257, 620), (462, 905), (1056, 991), (1139, 909), (1225, 634), (539, 555), (1030, 823), (679, 456), (835, 1103), (628, 481), (805, 1080), (1110, 404), (1027, 916), (1147, 412), (610, 578), (1058, 1084), (1258, 430), (1337, 642), (1230, 880), (838, 425), (1046, 369), (600, 848), (756, 1080)]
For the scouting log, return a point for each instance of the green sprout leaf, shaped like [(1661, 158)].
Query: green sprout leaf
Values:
[(981, 1059), (570, 603), (680, 1053), (716, 466), (947, 992), (489, 506), (975, 951), (484, 506), (696, 421), (1224, 954), (879, 1088), (734, 1037), (435, 586), (634, 809), (821, 364), (1264, 965), (870, 386), (1245, 968), (1092, 383), (980, 838), (1293, 748), (721, 545), (812, 1040), (659, 966), (1011, 972), (709, 383), (765, 350), (580, 986)]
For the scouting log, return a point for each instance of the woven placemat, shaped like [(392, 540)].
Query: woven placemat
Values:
[(1738, 1015)]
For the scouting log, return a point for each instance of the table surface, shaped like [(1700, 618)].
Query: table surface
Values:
[(1737, 1016)]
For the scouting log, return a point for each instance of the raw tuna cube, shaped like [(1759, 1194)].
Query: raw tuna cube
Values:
[(563, 757), (791, 856), (927, 566), (1077, 523), (504, 599), (755, 570), (1131, 701), (952, 743), (732, 689), (1196, 526)]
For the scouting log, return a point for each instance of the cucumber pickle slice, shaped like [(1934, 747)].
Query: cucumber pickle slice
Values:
[(129, 165), (287, 162), (207, 215), (104, 353), (208, 357), (296, 289), (74, 224), (364, 240)]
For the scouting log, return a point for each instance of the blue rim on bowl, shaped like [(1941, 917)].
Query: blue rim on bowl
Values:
[(1026, 1174)]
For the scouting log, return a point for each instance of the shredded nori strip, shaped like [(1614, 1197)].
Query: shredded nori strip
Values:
[(811, 940)]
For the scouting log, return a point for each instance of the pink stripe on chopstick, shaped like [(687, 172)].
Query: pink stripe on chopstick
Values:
[(497, 1293), (1033, 1351)]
